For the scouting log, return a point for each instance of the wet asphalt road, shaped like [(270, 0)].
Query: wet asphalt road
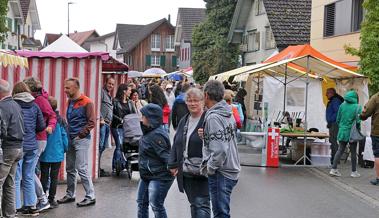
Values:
[(260, 193)]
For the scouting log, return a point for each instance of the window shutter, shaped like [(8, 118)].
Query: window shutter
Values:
[(15, 26), (148, 60), (329, 19), (174, 61), (163, 60), (10, 24)]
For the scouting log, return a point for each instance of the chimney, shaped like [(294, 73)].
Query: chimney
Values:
[(169, 18)]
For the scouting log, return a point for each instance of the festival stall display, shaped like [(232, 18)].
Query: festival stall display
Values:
[(293, 87), (12, 66)]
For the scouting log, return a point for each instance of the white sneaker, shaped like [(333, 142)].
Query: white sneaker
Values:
[(355, 174), (334, 172)]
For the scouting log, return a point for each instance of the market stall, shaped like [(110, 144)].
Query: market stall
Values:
[(296, 85), (12, 67)]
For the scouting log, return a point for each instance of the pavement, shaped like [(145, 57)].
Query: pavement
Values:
[(288, 192)]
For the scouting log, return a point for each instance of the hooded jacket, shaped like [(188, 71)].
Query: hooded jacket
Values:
[(154, 147), (220, 152), (347, 114), (49, 116), (57, 143), (12, 133), (33, 120), (179, 110), (332, 109)]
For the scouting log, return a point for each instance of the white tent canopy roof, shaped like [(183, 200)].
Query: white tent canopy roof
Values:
[(64, 44)]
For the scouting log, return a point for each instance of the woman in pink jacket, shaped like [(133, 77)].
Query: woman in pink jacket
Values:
[(49, 116)]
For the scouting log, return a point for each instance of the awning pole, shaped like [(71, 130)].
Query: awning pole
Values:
[(306, 113)]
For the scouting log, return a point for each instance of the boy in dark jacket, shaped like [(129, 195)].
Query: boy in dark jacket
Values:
[(52, 157), (154, 151)]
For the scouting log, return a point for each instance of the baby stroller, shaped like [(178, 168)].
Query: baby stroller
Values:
[(132, 135)]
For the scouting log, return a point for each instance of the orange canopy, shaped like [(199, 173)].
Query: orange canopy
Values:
[(303, 50)]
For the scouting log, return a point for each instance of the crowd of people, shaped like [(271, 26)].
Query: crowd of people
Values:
[(36, 139), (344, 116)]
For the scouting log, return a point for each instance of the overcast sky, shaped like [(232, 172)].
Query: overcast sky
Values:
[(103, 15)]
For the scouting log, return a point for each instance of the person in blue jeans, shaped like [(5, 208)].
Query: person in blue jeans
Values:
[(221, 163), (122, 106), (154, 152), (33, 123), (186, 155), (106, 113)]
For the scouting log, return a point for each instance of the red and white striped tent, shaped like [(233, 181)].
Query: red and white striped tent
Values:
[(53, 68)]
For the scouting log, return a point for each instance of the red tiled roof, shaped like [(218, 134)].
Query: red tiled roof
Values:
[(25, 8), (81, 37), (51, 37)]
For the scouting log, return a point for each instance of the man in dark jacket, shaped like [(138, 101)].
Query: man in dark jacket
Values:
[(12, 132), (332, 107), (106, 114), (80, 120), (179, 109)]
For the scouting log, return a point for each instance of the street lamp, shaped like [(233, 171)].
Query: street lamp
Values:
[(68, 18)]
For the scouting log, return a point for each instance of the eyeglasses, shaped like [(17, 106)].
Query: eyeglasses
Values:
[(193, 101)]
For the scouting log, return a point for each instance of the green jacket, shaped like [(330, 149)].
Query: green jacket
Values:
[(346, 115)]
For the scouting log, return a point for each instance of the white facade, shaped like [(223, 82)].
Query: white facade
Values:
[(15, 21), (185, 55), (257, 23), (105, 45)]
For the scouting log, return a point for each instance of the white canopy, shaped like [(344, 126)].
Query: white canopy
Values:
[(64, 44)]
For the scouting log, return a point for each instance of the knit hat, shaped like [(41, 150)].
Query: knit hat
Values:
[(154, 114)]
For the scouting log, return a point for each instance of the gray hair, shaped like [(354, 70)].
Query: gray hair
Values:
[(5, 87), (215, 90), (194, 92)]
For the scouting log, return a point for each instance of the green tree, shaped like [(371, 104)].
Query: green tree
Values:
[(3, 18), (212, 53), (369, 48)]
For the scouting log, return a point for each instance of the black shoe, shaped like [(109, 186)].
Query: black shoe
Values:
[(103, 173), (66, 200), (375, 181), (86, 202), (53, 204), (29, 211)]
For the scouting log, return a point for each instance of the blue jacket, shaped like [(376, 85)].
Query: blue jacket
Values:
[(154, 146), (57, 144), (33, 120), (332, 109), (80, 117)]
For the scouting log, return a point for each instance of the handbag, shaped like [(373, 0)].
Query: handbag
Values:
[(355, 133), (191, 165)]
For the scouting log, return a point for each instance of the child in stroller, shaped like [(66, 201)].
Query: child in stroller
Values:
[(132, 134)]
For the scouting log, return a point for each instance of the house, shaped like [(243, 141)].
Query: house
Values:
[(187, 19), (265, 27), (334, 25), (22, 21), (80, 38), (103, 43), (145, 46)]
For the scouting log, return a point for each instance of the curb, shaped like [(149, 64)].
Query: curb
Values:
[(373, 202)]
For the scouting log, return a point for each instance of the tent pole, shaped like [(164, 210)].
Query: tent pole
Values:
[(306, 113), (285, 89)]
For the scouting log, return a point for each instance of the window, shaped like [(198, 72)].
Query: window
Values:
[(253, 41), (270, 39), (129, 60), (358, 14), (330, 19), (10, 24), (170, 43), (259, 7), (155, 42), (155, 60)]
